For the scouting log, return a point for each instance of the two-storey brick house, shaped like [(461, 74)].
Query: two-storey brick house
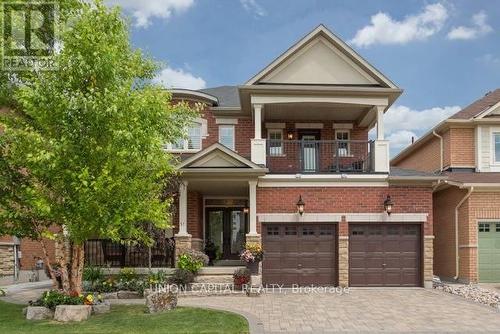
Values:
[(297, 130), (466, 149)]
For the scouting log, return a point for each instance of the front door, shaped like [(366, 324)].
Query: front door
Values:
[(226, 228), (309, 149)]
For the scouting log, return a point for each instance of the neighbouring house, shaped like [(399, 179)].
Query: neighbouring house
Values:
[(299, 131), (466, 149)]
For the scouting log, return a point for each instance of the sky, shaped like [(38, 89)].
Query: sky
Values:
[(444, 54)]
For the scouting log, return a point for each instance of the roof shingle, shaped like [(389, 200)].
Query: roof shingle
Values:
[(478, 106)]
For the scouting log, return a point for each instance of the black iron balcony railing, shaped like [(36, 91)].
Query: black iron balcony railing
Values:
[(319, 156)]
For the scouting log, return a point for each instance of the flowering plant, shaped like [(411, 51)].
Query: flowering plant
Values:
[(241, 276), (252, 253)]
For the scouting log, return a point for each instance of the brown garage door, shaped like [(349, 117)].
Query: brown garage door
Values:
[(384, 255), (299, 254)]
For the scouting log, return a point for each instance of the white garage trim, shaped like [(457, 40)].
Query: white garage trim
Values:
[(337, 217)]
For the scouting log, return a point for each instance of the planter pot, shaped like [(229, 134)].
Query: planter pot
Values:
[(38, 313), (66, 313), (253, 267), (238, 287)]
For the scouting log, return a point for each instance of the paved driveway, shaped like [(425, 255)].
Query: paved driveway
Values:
[(362, 310)]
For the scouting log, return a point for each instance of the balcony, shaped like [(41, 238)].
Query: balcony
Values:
[(319, 156)]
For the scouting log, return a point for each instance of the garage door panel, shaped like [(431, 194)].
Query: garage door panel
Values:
[(384, 254), (302, 254), (489, 251)]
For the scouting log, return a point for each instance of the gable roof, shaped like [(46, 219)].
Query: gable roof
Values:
[(479, 106), (217, 157), (227, 96), (339, 49)]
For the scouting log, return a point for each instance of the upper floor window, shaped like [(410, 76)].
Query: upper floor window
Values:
[(342, 137), (226, 136), (275, 137), (496, 146), (192, 139)]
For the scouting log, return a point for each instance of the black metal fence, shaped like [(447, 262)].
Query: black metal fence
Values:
[(106, 253)]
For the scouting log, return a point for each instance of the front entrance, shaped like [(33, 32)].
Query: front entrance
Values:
[(309, 149), (226, 228)]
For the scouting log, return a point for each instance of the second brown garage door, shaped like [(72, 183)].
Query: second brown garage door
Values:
[(300, 254), (384, 255)]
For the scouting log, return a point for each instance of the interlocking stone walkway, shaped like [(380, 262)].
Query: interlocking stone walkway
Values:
[(362, 310)]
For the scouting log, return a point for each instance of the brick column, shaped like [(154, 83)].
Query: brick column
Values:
[(428, 260), (343, 253)]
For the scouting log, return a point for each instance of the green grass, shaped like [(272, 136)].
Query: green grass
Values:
[(128, 319)]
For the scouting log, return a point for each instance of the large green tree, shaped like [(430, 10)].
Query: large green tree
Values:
[(82, 149)]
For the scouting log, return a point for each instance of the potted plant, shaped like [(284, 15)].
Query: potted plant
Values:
[(252, 255), (211, 251), (241, 277)]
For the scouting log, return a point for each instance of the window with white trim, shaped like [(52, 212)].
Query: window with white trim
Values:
[(342, 137), (226, 136), (275, 137), (191, 141), (496, 147)]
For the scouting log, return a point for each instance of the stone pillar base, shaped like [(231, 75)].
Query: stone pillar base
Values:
[(343, 261), (254, 238), (182, 242)]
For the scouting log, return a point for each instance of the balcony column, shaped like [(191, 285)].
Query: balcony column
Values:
[(183, 238), (380, 148), (252, 235), (258, 148), (380, 122)]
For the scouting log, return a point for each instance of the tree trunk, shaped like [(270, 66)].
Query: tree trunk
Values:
[(77, 259), (63, 262), (46, 258)]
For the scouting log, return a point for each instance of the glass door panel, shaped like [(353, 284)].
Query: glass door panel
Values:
[(237, 231), (215, 229)]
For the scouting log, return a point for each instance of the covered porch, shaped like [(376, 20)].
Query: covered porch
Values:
[(217, 203)]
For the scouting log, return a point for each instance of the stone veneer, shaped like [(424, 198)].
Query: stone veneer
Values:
[(6, 259), (428, 260), (343, 261)]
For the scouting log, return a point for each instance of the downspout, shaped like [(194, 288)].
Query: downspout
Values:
[(441, 149), (457, 262)]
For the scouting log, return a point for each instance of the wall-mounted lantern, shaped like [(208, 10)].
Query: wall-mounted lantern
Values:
[(300, 206), (388, 204), (289, 135)]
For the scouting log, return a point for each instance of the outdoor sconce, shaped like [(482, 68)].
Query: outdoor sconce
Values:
[(388, 204), (289, 135), (300, 206), (246, 210)]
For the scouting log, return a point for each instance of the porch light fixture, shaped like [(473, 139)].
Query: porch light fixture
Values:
[(289, 135), (388, 204), (246, 210), (300, 206)]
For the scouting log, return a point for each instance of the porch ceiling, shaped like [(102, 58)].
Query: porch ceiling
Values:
[(219, 187), (314, 111)]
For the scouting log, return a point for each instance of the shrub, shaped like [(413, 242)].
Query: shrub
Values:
[(53, 298), (192, 260), (127, 274), (106, 285), (241, 276), (93, 275), (160, 277), (2, 293), (181, 277)]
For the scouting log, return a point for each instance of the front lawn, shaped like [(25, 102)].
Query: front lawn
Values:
[(128, 319)]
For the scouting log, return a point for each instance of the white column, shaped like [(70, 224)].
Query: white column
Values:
[(258, 145), (258, 120), (183, 194), (253, 207), (380, 122)]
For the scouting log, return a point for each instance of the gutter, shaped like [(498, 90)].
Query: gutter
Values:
[(441, 150), (457, 262)]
